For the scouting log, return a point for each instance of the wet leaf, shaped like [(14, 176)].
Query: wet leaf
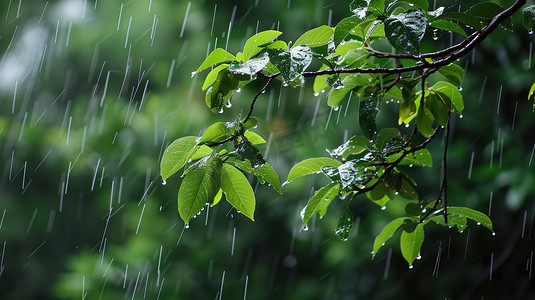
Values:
[(345, 224), (423, 4), (176, 155), (355, 145), (268, 174), (424, 120), (531, 93), (344, 27), (311, 166), (486, 11), (356, 58), (245, 149), (250, 67), (202, 151), (367, 114), (386, 234), (217, 56), (405, 30), (212, 76), (385, 135), (319, 201), (529, 17), (421, 158), (291, 63), (411, 243), (465, 18), (440, 107), (449, 26), (359, 8), (215, 132), (453, 72), (451, 92), (315, 37), (471, 214), (200, 186), (254, 138), (252, 45), (238, 191)]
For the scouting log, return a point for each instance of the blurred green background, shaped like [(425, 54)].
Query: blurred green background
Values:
[(91, 92)]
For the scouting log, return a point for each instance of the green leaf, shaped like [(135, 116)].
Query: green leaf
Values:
[(529, 17), (451, 92), (411, 243), (440, 107), (359, 8), (406, 30), (238, 191), (291, 63), (355, 145), (344, 27), (424, 120), (471, 214), (421, 158), (217, 197), (245, 149), (368, 111), (267, 173), (202, 151), (423, 4), (356, 58), (250, 67), (385, 135), (214, 132), (345, 224), (486, 11), (252, 45), (386, 234), (453, 72), (467, 19), (212, 76), (531, 93), (315, 37), (177, 155), (254, 138), (321, 199), (217, 56), (311, 166), (200, 186), (449, 26)]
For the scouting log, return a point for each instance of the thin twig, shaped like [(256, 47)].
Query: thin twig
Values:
[(262, 90)]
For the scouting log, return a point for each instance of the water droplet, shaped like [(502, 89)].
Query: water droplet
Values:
[(478, 223), (494, 233), (186, 225), (164, 182), (316, 94), (419, 256), (411, 266), (383, 208), (530, 31), (238, 90), (305, 228), (193, 74), (460, 89), (461, 116), (406, 125)]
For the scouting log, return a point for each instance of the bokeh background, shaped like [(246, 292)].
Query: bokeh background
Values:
[(91, 92)]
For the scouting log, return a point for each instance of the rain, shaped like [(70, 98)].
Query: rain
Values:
[(92, 92)]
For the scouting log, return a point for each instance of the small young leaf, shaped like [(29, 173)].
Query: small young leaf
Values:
[(217, 197), (252, 45), (471, 214), (367, 114), (217, 56), (177, 155), (529, 17), (200, 186), (315, 37), (386, 234), (345, 224), (531, 93), (238, 191), (411, 243), (311, 166), (321, 199), (406, 30)]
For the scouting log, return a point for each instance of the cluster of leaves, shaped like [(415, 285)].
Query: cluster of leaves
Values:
[(426, 86)]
